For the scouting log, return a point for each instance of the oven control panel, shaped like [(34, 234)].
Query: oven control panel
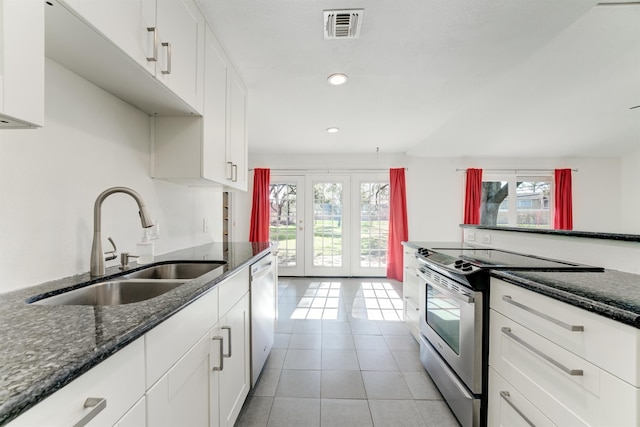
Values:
[(455, 264)]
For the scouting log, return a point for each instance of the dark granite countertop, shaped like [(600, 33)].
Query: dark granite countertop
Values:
[(46, 347), (613, 294), (569, 233)]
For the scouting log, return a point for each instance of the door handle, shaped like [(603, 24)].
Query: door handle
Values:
[(221, 367), (168, 46), (228, 328)]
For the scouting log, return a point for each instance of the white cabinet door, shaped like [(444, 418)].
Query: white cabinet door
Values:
[(119, 380), (214, 144), (165, 37), (129, 24), (237, 149), (234, 378), (181, 396), (21, 63), (181, 49), (136, 417)]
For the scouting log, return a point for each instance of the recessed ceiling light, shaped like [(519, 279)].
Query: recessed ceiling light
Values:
[(337, 79), (333, 130)]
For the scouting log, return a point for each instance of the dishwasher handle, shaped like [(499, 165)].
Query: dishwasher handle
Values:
[(260, 270)]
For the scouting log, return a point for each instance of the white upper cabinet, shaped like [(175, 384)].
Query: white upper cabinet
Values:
[(21, 63), (150, 53), (209, 150), (237, 148)]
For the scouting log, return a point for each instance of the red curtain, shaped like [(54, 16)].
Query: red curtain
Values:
[(398, 225), (563, 212), (473, 196), (259, 231)]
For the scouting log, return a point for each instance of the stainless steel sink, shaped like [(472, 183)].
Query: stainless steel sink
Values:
[(181, 270), (113, 292), (135, 286)]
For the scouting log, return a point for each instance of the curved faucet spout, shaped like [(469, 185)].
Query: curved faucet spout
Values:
[(97, 254)]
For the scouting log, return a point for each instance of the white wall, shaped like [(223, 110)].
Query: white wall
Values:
[(435, 189), (630, 209), (50, 178)]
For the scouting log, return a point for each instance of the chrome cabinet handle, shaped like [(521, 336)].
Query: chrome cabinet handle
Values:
[(573, 328), (168, 46), (234, 172), (221, 367), (568, 371), (154, 57), (97, 405), (506, 396), (230, 176), (228, 328)]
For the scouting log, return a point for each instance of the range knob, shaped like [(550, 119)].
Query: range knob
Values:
[(466, 266), (458, 263)]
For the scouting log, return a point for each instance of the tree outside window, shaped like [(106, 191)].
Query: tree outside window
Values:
[(516, 202)]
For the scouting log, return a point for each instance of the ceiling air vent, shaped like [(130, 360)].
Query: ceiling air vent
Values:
[(342, 24)]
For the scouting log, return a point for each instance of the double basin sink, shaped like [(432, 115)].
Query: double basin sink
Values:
[(135, 286)]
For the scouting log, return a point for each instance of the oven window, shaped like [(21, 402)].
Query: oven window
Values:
[(443, 316)]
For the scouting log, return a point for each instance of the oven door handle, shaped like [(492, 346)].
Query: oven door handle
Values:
[(453, 294)]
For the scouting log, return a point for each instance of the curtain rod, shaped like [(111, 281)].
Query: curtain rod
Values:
[(515, 170), (328, 170)]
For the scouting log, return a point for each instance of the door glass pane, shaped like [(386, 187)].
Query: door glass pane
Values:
[(374, 224), (327, 224), (533, 204), (282, 222), (494, 207)]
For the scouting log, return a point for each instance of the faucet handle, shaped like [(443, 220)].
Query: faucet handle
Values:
[(109, 255), (124, 260)]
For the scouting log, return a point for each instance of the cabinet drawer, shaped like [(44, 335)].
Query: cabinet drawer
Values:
[(540, 370), (507, 407), (170, 340), (233, 289), (119, 379), (594, 343)]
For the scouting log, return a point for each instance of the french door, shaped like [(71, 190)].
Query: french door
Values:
[(330, 225)]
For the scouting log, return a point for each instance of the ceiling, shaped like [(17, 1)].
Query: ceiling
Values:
[(439, 78)]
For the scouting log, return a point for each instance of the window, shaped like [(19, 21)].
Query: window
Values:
[(516, 201)]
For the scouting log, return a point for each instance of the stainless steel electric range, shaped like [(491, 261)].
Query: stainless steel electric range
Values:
[(454, 316)]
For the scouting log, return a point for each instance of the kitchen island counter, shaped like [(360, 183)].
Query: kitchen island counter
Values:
[(46, 347)]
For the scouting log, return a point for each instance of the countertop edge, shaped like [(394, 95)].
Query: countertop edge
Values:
[(571, 298)]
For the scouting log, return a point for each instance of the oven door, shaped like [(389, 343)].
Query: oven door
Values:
[(451, 320)]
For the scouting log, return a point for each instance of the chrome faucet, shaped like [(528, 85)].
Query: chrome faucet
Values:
[(97, 254)]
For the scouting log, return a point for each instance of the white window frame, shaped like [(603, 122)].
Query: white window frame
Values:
[(512, 182)]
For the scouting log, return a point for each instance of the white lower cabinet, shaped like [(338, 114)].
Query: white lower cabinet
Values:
[(181, 396), (136, 417), (548, 358), (173, 376), (410, 292), (230, 339), (117, 384)]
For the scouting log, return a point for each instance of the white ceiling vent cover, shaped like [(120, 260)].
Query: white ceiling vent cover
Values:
[(342, 24)]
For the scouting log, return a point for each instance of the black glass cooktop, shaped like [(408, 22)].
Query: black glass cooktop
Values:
[(498, 259)]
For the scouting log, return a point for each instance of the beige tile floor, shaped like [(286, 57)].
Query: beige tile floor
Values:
[(343, 357)]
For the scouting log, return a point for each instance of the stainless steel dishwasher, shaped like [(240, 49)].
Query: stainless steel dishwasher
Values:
[(263, 313)]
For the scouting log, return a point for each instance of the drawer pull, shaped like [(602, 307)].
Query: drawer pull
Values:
[(168, 46), (97, 404), (573, 328), (228, 328), (153, 57), (568, 371), (506, 396), (221, 367)]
